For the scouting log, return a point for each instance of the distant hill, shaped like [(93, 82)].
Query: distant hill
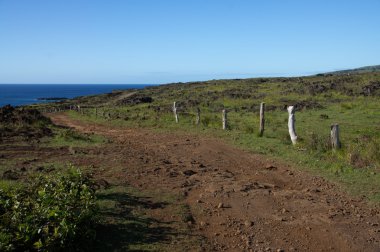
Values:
[(366, 69)]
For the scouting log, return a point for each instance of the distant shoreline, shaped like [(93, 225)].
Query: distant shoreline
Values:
[(28, 94), (52, 98)]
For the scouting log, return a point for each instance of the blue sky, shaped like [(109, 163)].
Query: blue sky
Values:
[(151, 41)]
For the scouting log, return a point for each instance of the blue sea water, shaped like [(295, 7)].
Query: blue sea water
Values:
[(24, 94)]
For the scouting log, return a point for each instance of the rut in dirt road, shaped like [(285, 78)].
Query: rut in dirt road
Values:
[(242, 201)]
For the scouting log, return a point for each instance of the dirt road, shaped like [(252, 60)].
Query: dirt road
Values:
[(241, 201)]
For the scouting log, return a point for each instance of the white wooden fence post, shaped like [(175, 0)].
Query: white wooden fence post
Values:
[(291, 120), (224, 119), (262, 119), (175, 112), (335, 142)]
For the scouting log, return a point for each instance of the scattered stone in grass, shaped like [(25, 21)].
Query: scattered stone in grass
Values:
[(220, 205), (11, 175)]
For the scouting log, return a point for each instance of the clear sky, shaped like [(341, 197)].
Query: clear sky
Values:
[(159, 41)]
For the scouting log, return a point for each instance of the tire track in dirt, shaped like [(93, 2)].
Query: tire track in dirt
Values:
[(242, 201)]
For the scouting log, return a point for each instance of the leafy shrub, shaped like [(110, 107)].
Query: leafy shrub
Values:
[(49, 213)]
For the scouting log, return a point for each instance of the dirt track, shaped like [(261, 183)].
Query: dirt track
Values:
[(242, 201)]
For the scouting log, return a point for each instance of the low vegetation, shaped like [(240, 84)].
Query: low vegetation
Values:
[(48, 213)]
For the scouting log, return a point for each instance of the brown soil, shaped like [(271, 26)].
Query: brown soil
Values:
[(239, 201)]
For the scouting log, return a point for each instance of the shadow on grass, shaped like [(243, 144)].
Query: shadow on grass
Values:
[(125, 228)]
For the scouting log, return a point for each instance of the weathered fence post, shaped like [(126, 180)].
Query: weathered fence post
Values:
[(224, 119), (175, 112), (335, 142), (198, 117), (262, 119), (96, 112), (291, 120)]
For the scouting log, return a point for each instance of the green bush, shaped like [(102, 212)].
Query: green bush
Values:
[(50, 213)]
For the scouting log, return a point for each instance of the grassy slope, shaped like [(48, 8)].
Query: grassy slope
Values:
[(366, 69), (321, 101)]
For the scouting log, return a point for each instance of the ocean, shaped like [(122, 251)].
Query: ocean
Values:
[(24, 94)]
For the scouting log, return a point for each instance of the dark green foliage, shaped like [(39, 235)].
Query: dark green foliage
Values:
[(49, 214), (22, 122)]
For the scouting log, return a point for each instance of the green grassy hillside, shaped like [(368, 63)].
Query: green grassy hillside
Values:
[(351, 101)]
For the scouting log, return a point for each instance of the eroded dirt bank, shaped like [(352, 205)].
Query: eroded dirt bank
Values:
[(239, 201)]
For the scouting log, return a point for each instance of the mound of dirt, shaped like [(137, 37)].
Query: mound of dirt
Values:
[(22, 122)]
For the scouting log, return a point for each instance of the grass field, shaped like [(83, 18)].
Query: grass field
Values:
[(352, 101)]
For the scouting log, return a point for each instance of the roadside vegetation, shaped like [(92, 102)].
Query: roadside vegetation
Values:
[(48, 213)]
